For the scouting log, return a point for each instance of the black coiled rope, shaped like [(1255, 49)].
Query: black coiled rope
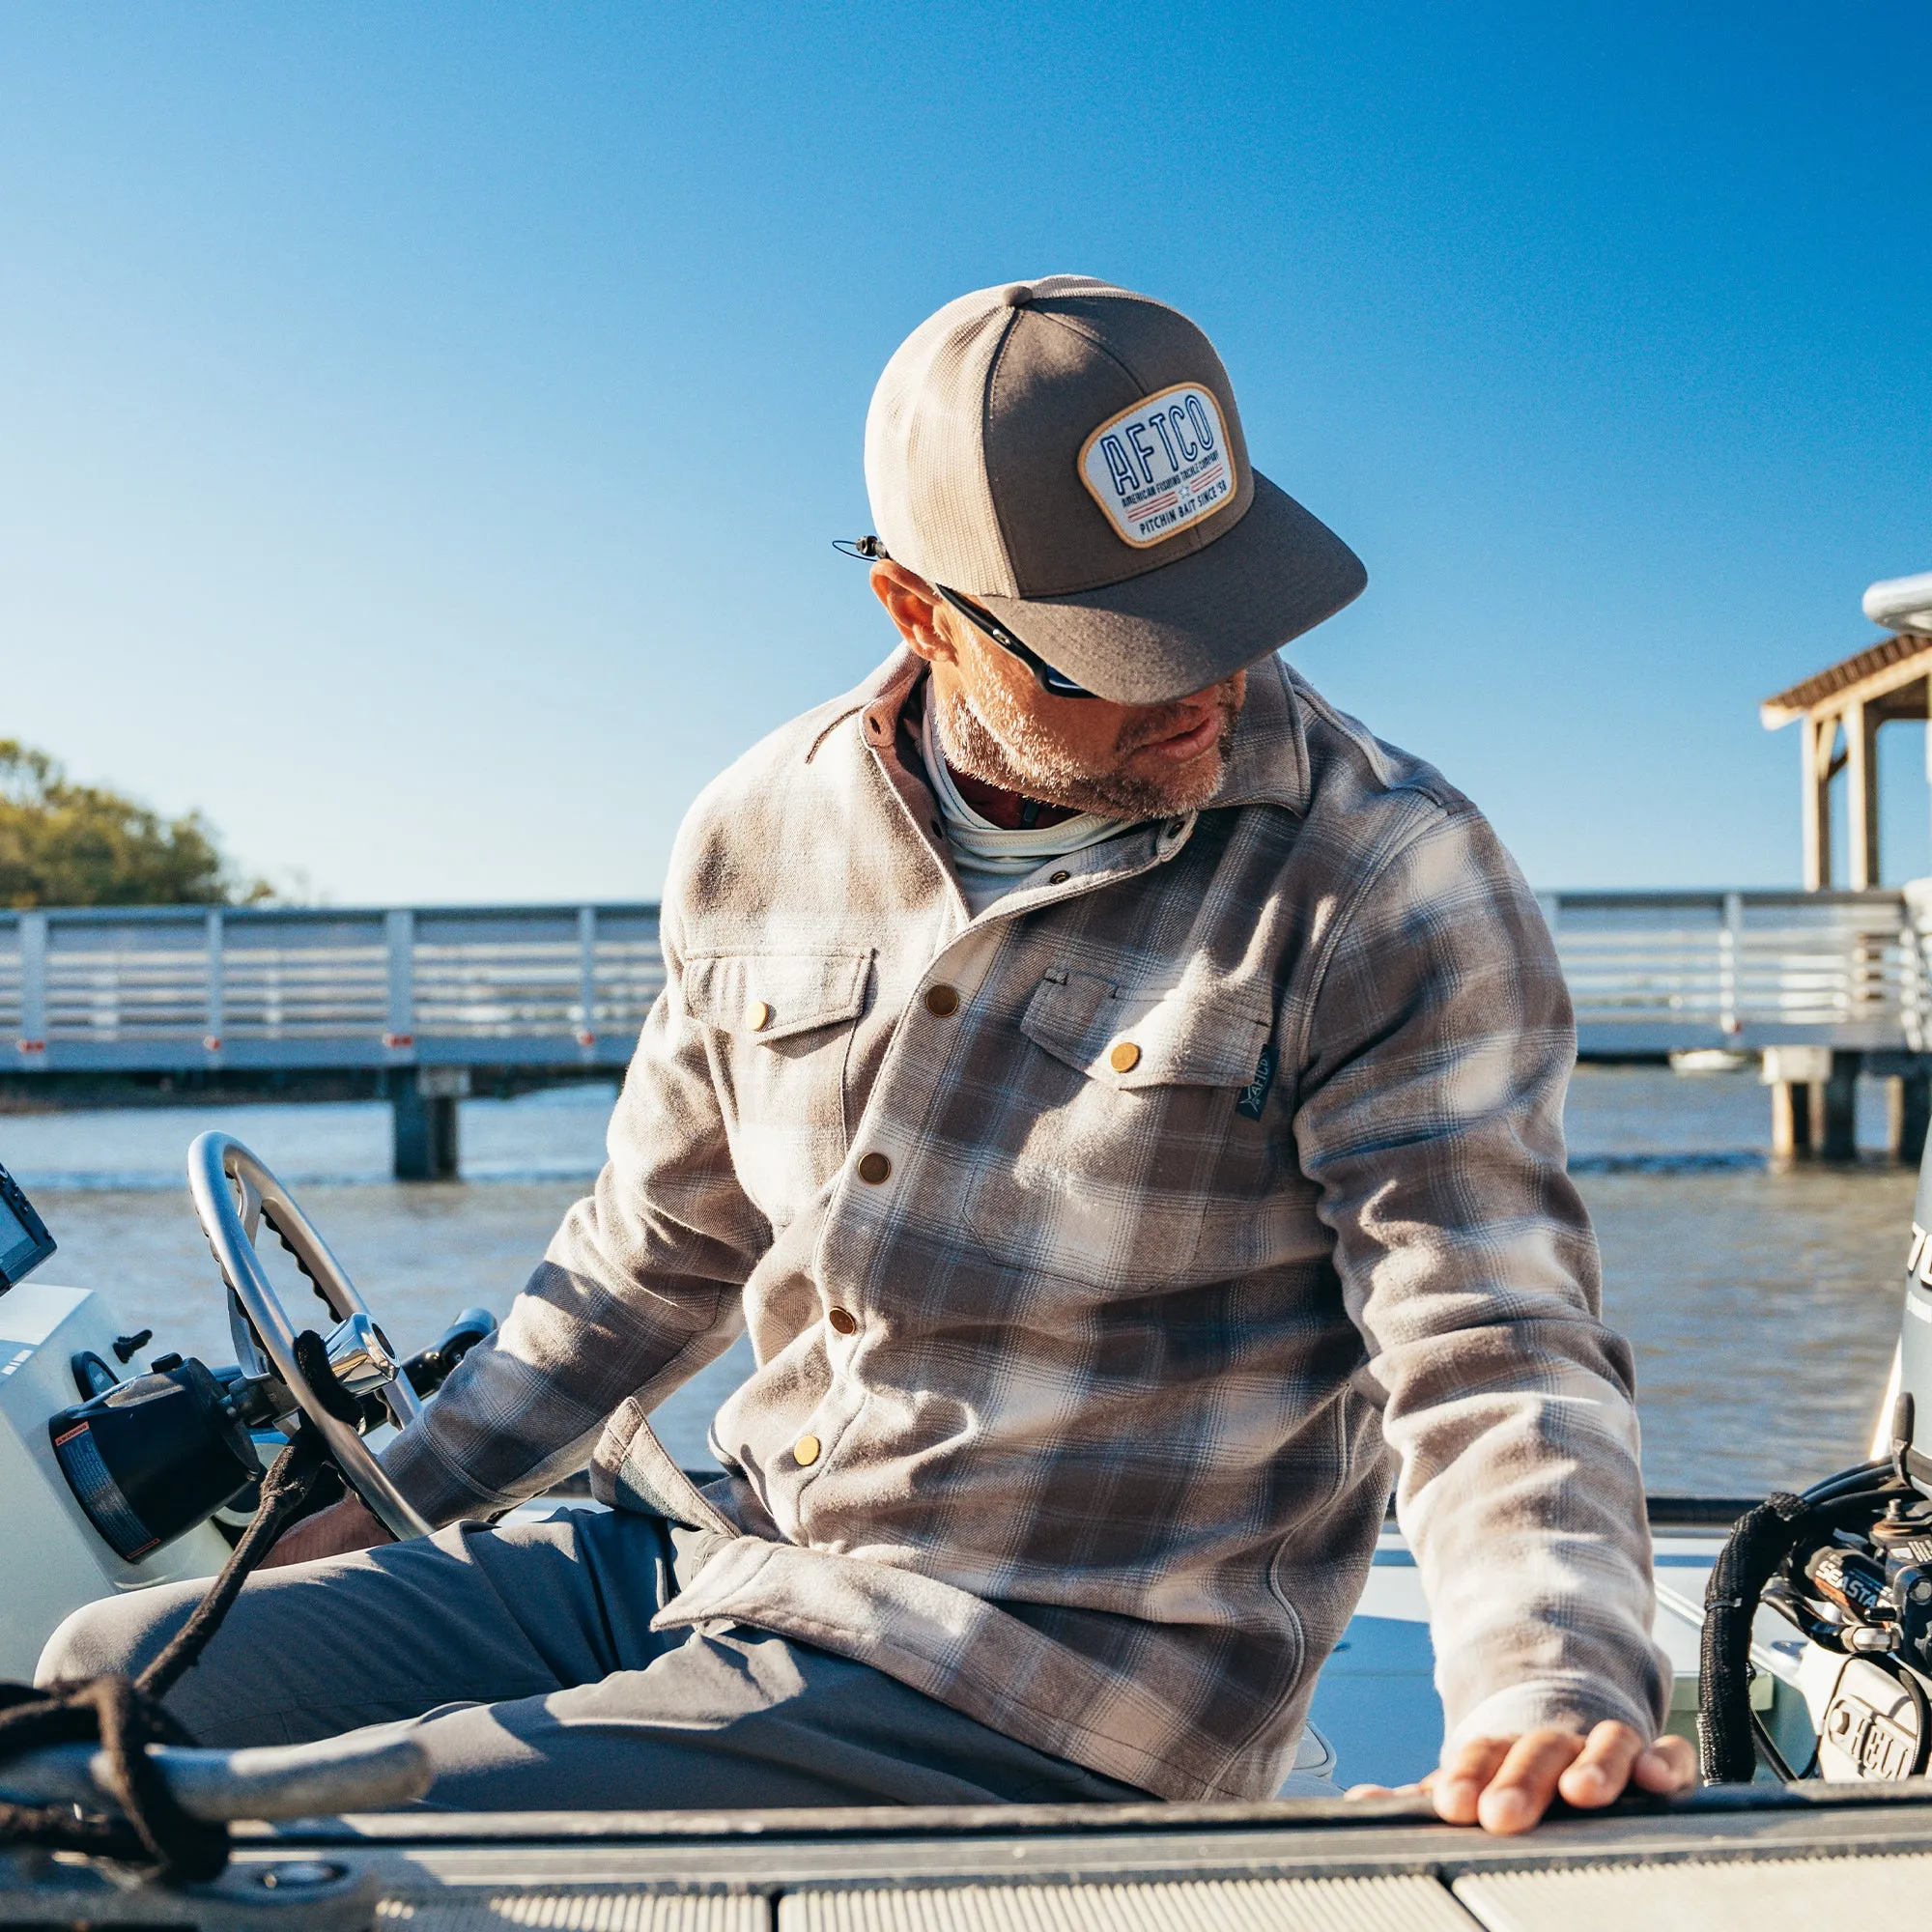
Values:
[(124, 1715)]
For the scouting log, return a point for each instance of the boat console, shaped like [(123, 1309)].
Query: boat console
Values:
[(61, 1349), (115, 1475)]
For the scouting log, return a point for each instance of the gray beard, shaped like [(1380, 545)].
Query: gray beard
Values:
[(1014, 754)]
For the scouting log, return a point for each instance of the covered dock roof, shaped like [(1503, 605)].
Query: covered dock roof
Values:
[(1839, 711)]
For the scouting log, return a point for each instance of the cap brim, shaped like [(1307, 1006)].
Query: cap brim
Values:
[(1170, 632)]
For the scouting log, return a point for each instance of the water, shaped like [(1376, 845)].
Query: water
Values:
[(1763, 1305), (111, 1188)]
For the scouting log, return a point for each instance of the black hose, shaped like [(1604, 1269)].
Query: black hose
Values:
[(1922, 1712), (1764, 1536), (1833, 1506), (1848, 1479)]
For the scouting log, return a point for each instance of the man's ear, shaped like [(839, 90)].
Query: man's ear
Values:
[(914, 608)]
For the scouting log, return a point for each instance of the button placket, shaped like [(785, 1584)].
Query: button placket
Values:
[(1092, 873), (903, 1091)]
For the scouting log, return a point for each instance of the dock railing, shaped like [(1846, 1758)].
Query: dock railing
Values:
[(408, 1002), (179, 988), (1664, 972), (176, 988)]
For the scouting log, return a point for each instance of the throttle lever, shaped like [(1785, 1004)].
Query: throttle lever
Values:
[(427, 1369)]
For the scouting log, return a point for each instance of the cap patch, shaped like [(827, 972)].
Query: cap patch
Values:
[(1160, 465)]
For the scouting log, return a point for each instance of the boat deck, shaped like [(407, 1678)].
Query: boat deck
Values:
[(1772, 1859)]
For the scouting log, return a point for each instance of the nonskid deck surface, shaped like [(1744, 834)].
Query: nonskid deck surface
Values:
[(1770, 1859)]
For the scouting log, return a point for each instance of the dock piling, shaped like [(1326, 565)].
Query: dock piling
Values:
[(1841, 1109), (1798, 1077), (1790, 1117), (423, 1103), (1909, 1098)]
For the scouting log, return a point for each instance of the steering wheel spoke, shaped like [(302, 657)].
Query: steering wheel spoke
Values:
[(233, 1194)]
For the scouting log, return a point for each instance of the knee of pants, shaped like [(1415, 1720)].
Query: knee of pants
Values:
[(116, 1634)]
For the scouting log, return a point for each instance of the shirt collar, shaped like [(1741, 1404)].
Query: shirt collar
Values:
[(877, 702), (1268, 764)]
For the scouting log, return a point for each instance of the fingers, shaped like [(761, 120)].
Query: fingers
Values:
[(1506, 1784), (1669, 1765), (1615, 1757), (1459, 1785), (1603, 1768), (1519, 1793)]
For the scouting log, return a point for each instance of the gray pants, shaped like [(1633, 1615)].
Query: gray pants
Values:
[(523, 1660)]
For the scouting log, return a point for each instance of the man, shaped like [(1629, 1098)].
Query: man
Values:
[(1121, 1097)]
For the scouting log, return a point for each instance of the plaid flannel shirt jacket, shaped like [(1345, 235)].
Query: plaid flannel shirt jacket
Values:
[(1078, 1368)]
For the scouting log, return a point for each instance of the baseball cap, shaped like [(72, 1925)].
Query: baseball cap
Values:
[(1069, 454)]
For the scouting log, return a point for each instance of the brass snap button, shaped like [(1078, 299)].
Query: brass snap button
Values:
[(804, 1452), (942, 1001), (875, 1168), (1124, 1058), (1058, 878), (757, 1016), (842, 1322)]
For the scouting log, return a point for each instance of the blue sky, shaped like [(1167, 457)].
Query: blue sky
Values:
[(422, 427)]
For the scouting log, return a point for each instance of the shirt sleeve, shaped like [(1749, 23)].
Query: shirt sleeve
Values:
[(1430, 1116), (638, 1290)]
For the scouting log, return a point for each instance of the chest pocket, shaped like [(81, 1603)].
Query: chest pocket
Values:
[(780, 1026), (1136, 1168)]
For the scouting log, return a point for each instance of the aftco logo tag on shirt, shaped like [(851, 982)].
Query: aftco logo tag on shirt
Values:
[(1255, 1094), (1160, 465)]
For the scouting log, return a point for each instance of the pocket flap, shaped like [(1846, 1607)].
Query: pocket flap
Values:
[(1147, 1037), (774, 995)]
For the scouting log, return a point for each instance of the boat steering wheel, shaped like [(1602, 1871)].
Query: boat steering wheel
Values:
[(234, 1193)]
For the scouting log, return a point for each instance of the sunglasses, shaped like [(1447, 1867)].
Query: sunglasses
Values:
[(1055, 683)]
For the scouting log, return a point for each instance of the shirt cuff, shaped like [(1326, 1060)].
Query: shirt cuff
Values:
[(1564, 1704), (432, 1484)]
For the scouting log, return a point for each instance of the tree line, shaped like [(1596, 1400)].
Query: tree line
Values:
[(68, 844)]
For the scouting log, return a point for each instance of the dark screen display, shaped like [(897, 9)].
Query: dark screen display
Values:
[(24, 1240)]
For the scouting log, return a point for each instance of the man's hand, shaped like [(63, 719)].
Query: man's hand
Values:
[(332, 1532), (1505, 1784)]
